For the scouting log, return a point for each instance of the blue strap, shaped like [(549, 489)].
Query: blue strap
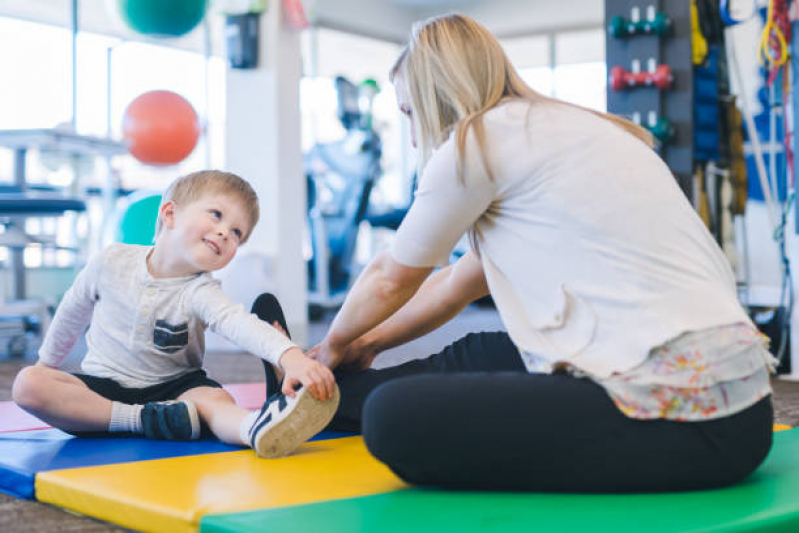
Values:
[(724, 11)]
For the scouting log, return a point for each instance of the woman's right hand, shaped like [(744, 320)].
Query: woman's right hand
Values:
[(358, 355)]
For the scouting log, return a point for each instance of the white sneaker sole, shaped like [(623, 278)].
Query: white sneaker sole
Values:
[(299, 422)]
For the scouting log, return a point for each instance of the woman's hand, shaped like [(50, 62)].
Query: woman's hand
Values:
[(326, 354), (358, 355), (313, 375)]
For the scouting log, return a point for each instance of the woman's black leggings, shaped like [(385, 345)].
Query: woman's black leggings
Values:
[(472, 417)]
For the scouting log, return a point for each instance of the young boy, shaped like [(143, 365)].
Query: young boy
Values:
[(147, 308)]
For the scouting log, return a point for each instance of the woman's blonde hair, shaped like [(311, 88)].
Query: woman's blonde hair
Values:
[(455, 70)]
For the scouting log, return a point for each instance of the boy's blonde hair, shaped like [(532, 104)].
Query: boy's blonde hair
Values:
[(194, 186), (455, 70)]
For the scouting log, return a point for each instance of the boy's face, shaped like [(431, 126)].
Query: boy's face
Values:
[(209, 230)]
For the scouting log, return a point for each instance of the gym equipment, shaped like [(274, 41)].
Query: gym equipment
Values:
[(392, 218), (622, 79), (160, 128), (737, 157), (175, 494), (137, 222), (340, 177), (707, 111), (655, 23), (21, 316), (13, 418), (25, 454), (30, 450), (644, 52), (162, 18), (698, 42), (662, 130), (724, 11), (201, 485), (765, 502)]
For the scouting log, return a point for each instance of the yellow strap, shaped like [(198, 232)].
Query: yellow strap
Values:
[(698, 41), (765, 52)]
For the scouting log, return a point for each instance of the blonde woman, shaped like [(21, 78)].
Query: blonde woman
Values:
[(628, 363)]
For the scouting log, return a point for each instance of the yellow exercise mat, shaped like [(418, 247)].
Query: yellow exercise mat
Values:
[(172, 495)]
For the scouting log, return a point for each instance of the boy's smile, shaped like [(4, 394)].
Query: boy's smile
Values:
[(211, 229), (213, 246)]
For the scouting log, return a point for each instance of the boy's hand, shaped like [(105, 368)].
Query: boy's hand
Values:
[(315, 376)]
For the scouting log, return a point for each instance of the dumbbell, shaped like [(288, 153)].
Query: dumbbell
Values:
[(621, 28), (622, 79), (662, 130)]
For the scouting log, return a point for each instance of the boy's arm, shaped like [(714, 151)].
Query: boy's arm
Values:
[(230, 320), (72, 316)]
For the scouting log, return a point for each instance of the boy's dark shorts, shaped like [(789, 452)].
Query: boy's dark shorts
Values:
[(169, 390)]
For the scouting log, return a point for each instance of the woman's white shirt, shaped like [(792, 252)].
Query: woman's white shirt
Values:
[(591, 251)]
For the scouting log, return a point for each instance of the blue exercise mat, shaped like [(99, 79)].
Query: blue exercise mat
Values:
[(25, 453)]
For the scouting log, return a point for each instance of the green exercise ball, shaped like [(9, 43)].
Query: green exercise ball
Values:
[(137, 225), (165, 18)]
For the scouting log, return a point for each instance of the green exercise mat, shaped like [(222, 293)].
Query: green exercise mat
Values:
[(766, 501)]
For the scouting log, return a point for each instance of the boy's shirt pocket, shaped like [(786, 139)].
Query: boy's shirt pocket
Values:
[(170, 338)]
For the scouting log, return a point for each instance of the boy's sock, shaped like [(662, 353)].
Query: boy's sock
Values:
[(125, 418), (246, 424)]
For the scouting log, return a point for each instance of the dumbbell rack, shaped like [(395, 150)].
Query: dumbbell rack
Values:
[(648, 104)]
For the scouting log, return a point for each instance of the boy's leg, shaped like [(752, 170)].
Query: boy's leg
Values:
[(514, 431), (87, 404), (476, 352), (61, 400), (218, 409)]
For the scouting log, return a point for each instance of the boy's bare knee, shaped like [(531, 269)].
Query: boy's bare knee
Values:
[(29, 387), (207, 394)]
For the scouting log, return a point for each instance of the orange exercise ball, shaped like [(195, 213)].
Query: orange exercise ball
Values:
[(160, 128)]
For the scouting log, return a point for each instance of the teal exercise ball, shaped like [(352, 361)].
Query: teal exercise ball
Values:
[(162, 18), (137, 224)]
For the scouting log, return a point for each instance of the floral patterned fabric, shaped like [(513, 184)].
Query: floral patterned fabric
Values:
[(699, 375)]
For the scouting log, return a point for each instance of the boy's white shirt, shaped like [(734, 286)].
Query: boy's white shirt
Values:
[(144, 331), (590, 249)]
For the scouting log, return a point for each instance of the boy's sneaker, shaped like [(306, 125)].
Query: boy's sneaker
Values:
[(285, 422), (170, 420)]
